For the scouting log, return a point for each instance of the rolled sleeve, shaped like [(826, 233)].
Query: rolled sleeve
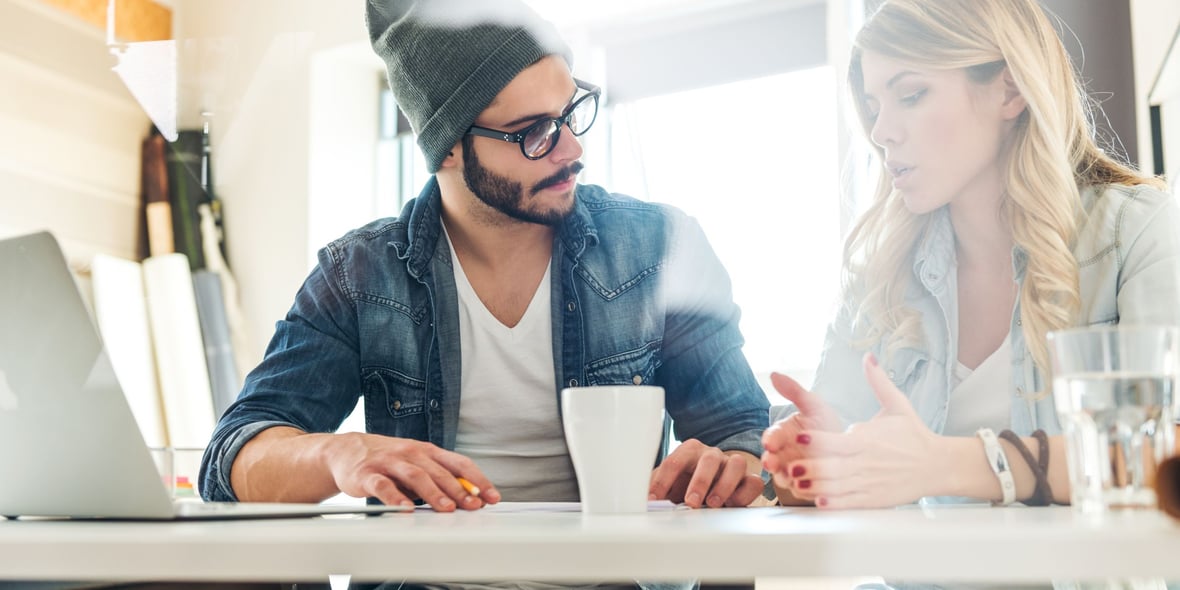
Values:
[(711, 391)]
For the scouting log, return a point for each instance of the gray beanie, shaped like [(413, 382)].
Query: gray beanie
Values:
[(447, 60)]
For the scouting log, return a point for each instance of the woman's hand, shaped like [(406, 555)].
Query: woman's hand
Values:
[(892, 459), (781, 440)]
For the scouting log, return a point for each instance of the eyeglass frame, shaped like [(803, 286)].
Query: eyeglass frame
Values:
[(592, 92)]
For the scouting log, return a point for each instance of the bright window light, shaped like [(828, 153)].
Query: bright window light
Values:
[(756, 162)]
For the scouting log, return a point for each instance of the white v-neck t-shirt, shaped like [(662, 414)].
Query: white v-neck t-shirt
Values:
[(508, 416), (981, 398)]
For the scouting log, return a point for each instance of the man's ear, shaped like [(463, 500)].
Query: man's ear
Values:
[(1014, 102), (454, 157)]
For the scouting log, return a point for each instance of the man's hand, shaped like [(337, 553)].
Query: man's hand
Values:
[(284, 464), (399, 470), (698, 475)]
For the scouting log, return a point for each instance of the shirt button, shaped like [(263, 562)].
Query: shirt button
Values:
[(434, 404), (1019, 391), (397, 404), (571, 306), (573, 383), (1019, 322), (637, 379), (892, 375)]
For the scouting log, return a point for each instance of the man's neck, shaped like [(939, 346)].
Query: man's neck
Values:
[(497, 245), (503, 262)]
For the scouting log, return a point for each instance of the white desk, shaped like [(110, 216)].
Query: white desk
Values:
[(947, 544)]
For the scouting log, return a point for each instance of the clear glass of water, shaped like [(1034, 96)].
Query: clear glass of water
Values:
[(1114, 388)]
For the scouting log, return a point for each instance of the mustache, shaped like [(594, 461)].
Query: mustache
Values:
[(558, 178)]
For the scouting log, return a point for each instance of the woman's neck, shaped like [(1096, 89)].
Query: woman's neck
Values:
[(983, 233)]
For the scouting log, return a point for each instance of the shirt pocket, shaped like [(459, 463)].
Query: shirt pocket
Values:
[(905, 368), (400, 395), (632, 367)]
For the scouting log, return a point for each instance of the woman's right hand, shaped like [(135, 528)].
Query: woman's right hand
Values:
[(780, 441)]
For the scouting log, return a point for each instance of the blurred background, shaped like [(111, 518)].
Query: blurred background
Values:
[(733, 110)]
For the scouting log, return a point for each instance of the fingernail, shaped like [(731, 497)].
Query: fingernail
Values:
[(651, 496), (872, 360), (798, 471), (821, 502), (444, 503), (803, 439), (693, 498), (715, 501), (804, 484)]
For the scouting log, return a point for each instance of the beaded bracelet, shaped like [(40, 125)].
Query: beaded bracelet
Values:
[(997, 459), (1042, 494)]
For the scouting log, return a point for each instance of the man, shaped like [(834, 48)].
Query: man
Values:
[(460, 320)]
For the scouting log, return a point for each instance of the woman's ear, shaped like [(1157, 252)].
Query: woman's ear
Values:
[(1014, 102)]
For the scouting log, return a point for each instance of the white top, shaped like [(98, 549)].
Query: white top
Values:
[(508, 419), (980, 398)]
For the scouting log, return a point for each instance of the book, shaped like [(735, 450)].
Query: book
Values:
[(180, 351), (229, 290), (219, 350), (120, 310), (186, 193), (157, 209)]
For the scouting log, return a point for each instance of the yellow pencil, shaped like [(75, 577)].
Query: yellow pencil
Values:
[(470, 487)]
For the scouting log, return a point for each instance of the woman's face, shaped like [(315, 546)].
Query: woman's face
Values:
[(942, 133)]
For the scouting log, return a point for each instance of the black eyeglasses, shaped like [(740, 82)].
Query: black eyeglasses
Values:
[(538, 139)]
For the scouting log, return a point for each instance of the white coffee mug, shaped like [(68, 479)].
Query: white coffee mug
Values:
[(613, 434)]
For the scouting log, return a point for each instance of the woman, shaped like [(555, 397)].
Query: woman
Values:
[(997, 219)]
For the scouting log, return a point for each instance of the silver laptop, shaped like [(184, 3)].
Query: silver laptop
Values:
[(69, 444)]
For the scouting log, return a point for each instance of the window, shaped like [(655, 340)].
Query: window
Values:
[(756, 162)]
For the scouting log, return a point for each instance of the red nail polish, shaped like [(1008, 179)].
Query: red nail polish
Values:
[(805, 484), (873, 359), (797, 471), (821, 502), (803, 439)]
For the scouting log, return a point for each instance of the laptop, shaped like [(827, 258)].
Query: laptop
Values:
[(69, 443)]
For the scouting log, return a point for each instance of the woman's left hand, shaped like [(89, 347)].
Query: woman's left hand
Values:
[(886, 461)]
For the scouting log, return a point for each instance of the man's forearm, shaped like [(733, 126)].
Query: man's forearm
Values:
[(284, 464)]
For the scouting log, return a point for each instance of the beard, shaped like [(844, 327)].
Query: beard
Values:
[(508, 196)]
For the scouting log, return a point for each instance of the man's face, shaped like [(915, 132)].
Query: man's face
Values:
[(511, 198), (534, 191)]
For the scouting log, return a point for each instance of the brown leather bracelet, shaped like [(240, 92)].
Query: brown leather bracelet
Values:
[(1041, 495), (1043, 463)]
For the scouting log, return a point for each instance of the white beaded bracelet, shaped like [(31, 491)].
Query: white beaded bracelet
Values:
[(998, 461)]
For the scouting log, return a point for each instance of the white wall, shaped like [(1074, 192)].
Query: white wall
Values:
[(251, 64), (69, 159), (1153, 24)]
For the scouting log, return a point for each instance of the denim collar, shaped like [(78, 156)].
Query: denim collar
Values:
[(935, 253), (423, 218)]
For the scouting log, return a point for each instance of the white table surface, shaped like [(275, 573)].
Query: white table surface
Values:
[(978, 543)]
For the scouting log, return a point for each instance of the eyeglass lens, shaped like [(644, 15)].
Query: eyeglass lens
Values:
[(542, 137)]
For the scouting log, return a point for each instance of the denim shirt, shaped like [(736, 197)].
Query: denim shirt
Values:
[(638, 296), (1128, 251)]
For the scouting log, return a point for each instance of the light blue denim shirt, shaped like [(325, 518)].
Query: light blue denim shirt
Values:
[(1128, 250), (639, 297)]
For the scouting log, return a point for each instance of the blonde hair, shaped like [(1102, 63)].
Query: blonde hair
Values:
[(1053, 156)]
